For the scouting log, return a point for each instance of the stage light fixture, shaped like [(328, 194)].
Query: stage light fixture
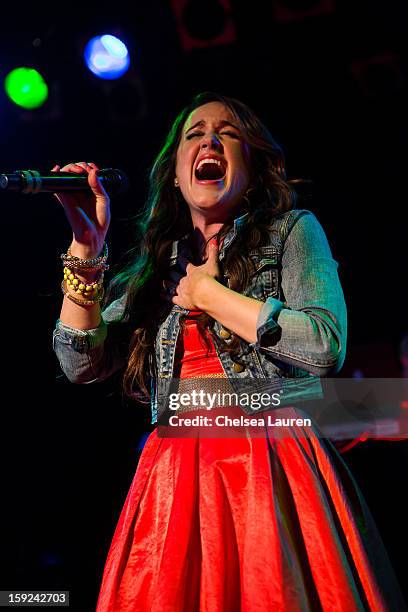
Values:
[(107, 57), (204, 23), (380, 75), (26, 87)]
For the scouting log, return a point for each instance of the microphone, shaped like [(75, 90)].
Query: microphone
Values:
[(31, 181)]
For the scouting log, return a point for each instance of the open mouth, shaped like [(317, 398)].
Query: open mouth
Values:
[(210, 169)]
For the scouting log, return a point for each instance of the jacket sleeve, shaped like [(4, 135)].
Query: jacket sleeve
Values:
[(90, 355), (308, 330)]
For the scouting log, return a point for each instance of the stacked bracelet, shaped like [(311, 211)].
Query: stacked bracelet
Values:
[(77, 290), (74, 283), (78, 301), (97, 263)]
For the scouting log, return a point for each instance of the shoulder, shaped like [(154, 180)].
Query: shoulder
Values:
[(300, 230), (292, 228), (285, 222), (296, 224)]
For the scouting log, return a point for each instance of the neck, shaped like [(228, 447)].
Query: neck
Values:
[(202, 234), (206, 226)]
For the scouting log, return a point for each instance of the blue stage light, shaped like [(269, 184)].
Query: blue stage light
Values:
[(107, 56)]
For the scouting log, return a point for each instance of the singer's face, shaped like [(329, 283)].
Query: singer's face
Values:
[(213, 160)]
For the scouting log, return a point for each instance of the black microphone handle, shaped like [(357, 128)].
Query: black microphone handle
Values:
[(31, 181)]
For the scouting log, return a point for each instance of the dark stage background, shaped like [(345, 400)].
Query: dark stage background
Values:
[(330, 80)]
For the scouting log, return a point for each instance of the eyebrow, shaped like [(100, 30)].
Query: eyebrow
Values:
[(222, 123)]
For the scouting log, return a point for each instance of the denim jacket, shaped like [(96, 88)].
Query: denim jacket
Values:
[(301, 327)]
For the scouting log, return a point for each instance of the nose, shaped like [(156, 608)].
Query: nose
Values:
[(211, 141)]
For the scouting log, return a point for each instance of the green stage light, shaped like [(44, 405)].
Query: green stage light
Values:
[(26, 87)]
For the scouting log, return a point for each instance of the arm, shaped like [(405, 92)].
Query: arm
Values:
[(309, 329), (81, 316), (90, 355), (81, 341), (234, 311)]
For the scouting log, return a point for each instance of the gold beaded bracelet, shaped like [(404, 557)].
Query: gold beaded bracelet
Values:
[(78, 301), (74, 283)]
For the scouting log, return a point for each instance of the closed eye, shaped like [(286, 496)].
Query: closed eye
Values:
[(232, 134), (227, 133), (192, 134), (224, 133)]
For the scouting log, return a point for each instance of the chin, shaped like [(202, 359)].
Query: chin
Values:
[(208, 199), (208, 203)]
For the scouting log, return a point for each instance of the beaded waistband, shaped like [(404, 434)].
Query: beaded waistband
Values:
[(215, 385)]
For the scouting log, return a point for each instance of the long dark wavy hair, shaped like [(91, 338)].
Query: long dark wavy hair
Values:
[(166, 218)]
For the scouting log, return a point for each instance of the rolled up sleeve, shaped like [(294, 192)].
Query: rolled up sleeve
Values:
[(267, 325), (91, 355), (309, 328)]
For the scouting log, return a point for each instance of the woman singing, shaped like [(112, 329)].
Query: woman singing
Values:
[(231, 281)]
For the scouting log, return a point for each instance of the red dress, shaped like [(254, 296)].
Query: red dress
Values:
[(243, 524)]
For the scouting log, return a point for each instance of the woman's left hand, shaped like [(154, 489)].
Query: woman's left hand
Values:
[(183, 288)]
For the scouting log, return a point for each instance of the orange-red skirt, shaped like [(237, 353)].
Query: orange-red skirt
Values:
[(245, 524)]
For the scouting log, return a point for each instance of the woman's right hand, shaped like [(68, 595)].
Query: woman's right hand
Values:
[(87, 212)]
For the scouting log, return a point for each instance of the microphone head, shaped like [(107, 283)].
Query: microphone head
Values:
[(114, 181)]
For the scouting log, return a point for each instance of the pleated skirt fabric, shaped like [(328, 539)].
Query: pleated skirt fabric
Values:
[(246, 525)]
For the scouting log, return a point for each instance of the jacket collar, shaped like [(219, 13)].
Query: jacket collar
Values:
[(239, 223)]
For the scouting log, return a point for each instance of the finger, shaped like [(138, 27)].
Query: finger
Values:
[(96, 184), (56, 168), (73, 168), (94, 166), (87, 167), (212, 251)]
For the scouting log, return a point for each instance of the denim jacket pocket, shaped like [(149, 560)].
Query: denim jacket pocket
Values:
[(264, 281)]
